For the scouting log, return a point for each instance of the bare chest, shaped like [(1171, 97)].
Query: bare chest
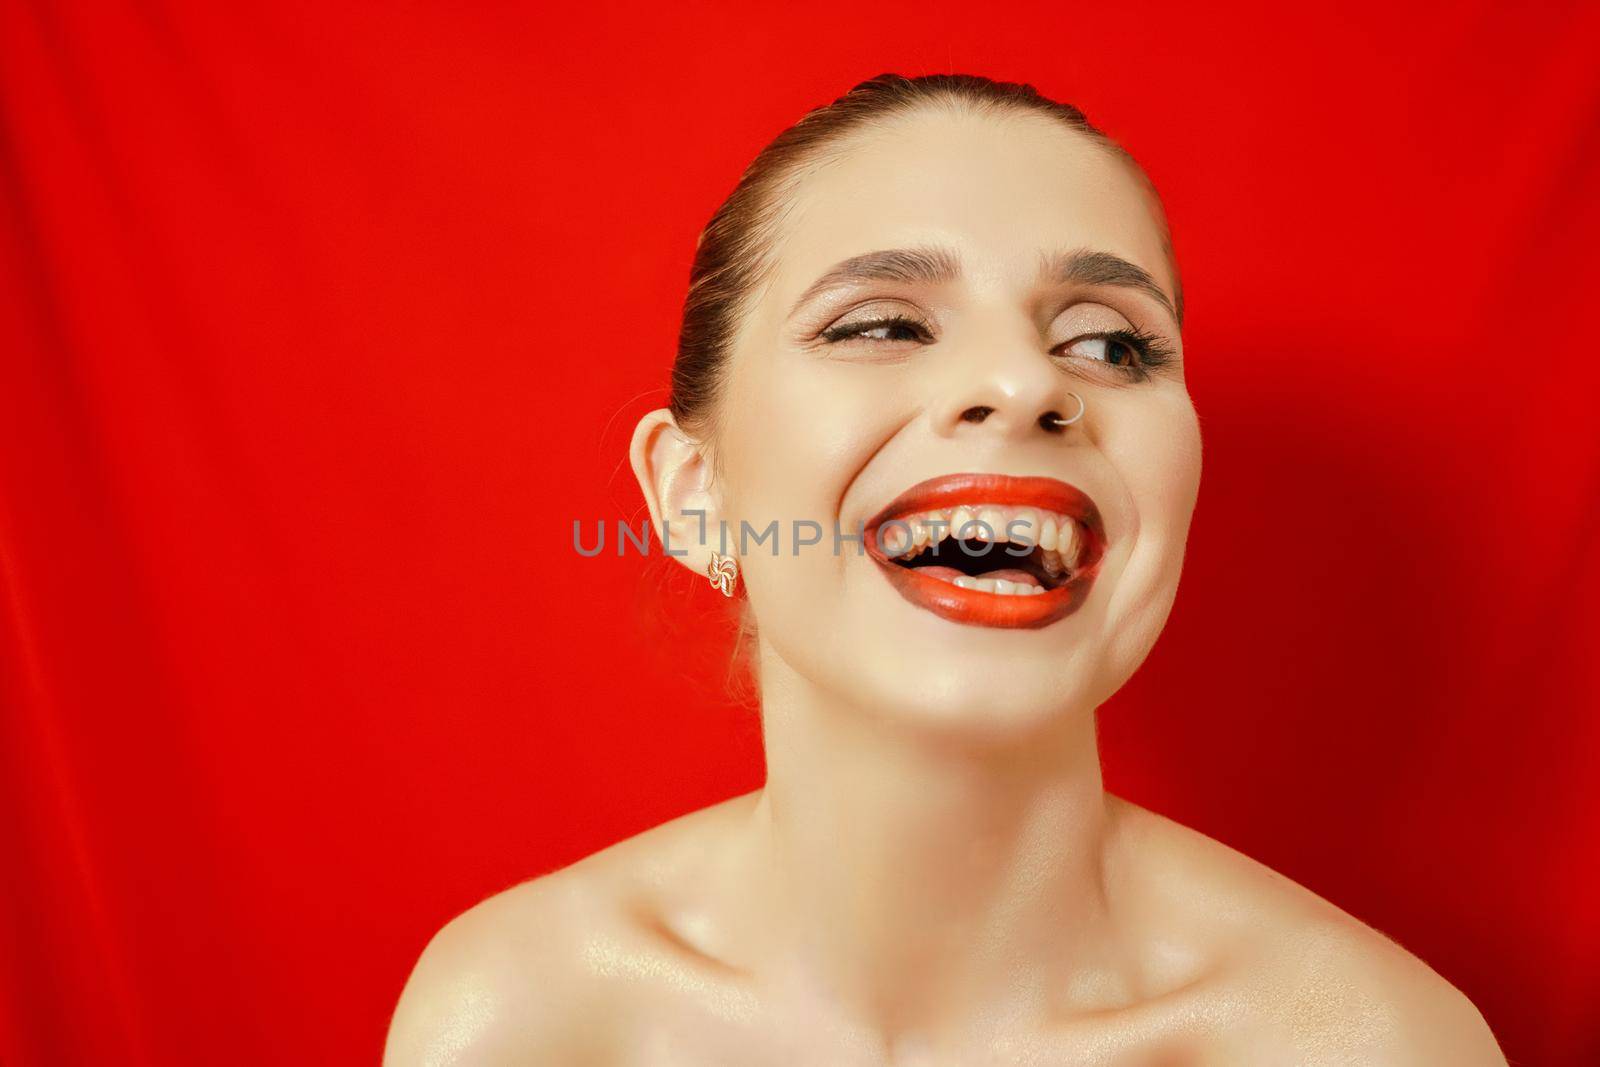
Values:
[(671, 1032)]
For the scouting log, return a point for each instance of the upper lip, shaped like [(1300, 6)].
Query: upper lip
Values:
[(954, 490)]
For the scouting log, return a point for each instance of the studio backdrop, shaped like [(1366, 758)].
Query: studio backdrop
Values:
[(321, 324)]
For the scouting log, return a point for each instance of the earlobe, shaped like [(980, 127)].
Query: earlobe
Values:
[(674, 475)]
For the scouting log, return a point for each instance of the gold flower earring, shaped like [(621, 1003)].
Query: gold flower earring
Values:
[(723, 572)]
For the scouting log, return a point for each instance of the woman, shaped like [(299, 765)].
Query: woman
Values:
[(941, 313)]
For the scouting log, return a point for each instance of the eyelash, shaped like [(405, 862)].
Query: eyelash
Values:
[(1152, 352)]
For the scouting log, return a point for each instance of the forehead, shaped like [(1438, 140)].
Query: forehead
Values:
[(999, 189)]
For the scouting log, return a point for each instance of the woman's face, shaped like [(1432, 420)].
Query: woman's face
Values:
[(1028, 245)]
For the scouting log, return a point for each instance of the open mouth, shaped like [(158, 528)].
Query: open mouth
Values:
[(990, 549)]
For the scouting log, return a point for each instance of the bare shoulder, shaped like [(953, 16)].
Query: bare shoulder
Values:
[(1334, 990), (498, 982), (530, 974)]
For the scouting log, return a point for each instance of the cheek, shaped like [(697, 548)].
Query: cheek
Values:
[(794, 437), (1155, 449), (764, 447), (796, 431)]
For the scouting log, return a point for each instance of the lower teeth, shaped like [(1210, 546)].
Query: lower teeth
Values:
[(996, 585)]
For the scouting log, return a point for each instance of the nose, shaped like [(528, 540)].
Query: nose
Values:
[(1007, 388)]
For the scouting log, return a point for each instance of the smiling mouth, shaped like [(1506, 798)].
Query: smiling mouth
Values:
[(990, 549)]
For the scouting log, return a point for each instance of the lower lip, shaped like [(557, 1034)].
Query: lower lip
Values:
[(975, 607)]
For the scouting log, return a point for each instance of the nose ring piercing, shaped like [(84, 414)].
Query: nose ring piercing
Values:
[(723, 572), (1055, 421)]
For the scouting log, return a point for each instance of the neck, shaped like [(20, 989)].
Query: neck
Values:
[(922, 878)]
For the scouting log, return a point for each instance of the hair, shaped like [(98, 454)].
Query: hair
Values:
[(734, 254)]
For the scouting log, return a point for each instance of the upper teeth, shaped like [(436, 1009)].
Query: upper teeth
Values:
[(1058, 536)]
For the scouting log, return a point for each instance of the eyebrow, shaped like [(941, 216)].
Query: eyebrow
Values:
[(1085, 266), (927, 265), (931, 265)]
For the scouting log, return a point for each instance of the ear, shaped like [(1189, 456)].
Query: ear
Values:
[(674, 473)]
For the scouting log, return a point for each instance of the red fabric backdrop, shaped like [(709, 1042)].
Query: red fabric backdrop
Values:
[(322, 323)]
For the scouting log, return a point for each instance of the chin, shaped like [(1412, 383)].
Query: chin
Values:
[(989, 697), (895, 663)]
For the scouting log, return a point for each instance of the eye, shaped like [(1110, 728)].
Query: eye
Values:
[(1112, 348), (883, 328), (1131, 353)]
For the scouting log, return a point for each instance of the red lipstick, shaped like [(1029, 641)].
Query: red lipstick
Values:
[(976, 607)]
